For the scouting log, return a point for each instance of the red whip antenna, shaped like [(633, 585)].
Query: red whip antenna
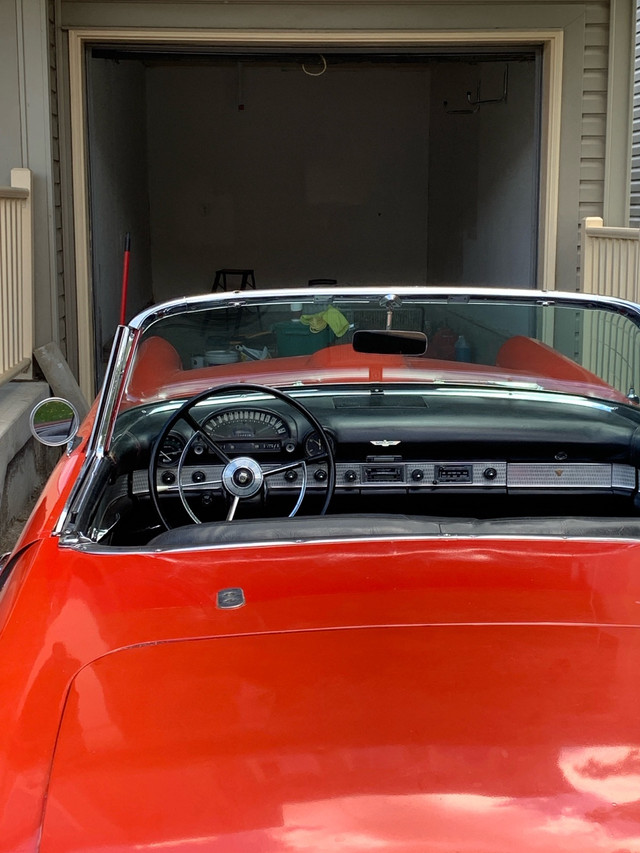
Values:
[(125, 278)]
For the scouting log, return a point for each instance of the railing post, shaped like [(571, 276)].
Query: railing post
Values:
[(23, 179), (16, 277), (588, 282)]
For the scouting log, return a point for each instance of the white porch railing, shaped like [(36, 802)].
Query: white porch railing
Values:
[(610, 266), (610, 260), (16, 277)]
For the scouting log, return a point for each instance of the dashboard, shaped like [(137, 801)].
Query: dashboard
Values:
[(408, 442)]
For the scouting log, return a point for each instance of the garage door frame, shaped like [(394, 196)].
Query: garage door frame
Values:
[(551, 42)]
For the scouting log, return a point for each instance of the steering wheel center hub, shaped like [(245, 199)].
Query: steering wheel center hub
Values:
[(242, 477)]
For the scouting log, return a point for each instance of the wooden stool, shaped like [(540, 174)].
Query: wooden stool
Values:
[(247, 279)]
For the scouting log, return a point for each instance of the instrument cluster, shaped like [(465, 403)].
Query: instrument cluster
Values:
[(235, 431)]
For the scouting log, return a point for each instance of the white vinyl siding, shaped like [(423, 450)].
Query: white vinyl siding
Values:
[(594, 110), (634, 209), (57, 187), (594, 116)]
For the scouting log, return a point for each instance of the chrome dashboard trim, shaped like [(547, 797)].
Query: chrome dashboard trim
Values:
[(505, 477)]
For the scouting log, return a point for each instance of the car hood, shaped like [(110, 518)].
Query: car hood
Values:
[(440, 737)]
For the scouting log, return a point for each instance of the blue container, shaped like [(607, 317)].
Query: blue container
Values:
[(463, 350)]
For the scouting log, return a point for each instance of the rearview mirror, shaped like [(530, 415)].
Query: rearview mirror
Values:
[(390, 341), (54, 422)]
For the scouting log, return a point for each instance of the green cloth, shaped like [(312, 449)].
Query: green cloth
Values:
[(331, 317)]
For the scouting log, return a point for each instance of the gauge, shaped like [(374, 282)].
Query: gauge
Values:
[(171, 449), (256, 429), (314, 445)]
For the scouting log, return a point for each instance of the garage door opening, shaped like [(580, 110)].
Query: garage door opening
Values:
[(367, 169)]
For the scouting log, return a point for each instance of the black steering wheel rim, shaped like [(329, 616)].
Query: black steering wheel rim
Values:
[(238, 387)]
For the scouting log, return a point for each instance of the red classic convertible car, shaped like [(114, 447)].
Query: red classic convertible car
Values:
[(336, 569)]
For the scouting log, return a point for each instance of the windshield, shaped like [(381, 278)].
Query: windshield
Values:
[(307, 338)]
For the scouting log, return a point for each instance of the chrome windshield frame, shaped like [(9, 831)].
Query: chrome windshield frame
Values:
[(121, 360), (235, 299), (127, 337), (112, 389)]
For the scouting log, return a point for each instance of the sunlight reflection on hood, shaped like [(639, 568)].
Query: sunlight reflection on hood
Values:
[(609, 772), (466, 823)]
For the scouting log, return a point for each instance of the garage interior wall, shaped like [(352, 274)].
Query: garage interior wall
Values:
[(360, 174), (483, 174), (295, 176)]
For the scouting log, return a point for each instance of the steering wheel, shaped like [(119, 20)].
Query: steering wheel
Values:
[(242, 476)]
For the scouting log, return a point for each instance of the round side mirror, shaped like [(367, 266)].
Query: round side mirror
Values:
[(54, 422)]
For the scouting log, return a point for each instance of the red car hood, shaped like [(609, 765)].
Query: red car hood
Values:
[(439, 737)]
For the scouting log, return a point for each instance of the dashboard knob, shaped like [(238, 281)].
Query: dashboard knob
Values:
[(291, 475), (320, 475), (168, 477), (198, 477), (350, 476), (489, 473), (417, 474)]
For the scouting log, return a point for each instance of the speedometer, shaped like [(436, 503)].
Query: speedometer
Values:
[(247, 429)]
